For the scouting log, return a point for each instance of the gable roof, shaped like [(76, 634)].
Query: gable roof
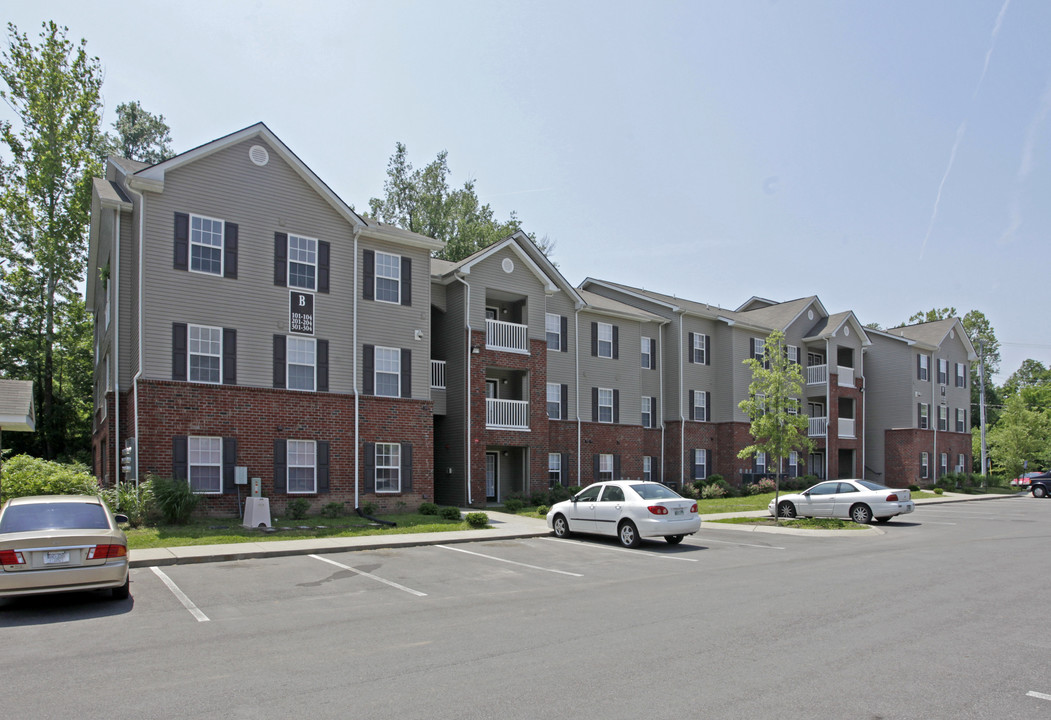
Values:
[(931, 335), (16, 405), (830, 326), (780, 315)]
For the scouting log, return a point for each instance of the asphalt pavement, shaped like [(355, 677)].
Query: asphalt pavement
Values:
[(503, 526)]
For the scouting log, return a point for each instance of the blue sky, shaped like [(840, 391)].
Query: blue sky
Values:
[(888, 157)]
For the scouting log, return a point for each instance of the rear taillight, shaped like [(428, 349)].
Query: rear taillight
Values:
[(658, 509), (11, 557), (694, 508), (893, 497), (101, 552)]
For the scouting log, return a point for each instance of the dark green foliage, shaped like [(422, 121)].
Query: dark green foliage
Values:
[(428, 508), (137, 503), (297, 508), (513, 505), (369, 508), (542, 509), (477, 519), (450, 513), (25, 475), (332, 510), (175, 500)]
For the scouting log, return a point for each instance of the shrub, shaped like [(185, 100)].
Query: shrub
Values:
[(476, 519), (765, 485), (690, 490), (714, 490), (938, 491), (175, 500), (451, 513), (542, 509), (559, 493), (540, 498), (24, 475), (717, 479), (513, 505), (914, 488), (137, 503), (332, 509), (369, 508), (428, 508)]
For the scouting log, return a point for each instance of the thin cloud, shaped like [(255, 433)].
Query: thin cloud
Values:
[(1026, 164), (992, 44)]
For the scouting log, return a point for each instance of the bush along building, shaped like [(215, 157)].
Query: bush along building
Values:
[(245, 316)]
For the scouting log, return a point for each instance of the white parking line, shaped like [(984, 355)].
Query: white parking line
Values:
[(617, 549), (1042, 696), (186, 602), (510, 562), (935, 522), (727, 542), (417, 593)]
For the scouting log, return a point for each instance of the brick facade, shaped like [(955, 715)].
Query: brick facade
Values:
[(903, 448)]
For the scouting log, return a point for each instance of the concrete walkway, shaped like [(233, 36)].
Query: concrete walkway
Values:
[(504, 526)]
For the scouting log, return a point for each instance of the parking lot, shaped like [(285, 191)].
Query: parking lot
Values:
[(913, 622)]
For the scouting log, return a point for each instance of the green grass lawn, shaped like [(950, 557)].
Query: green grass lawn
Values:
[(805, 523), (216, 531)]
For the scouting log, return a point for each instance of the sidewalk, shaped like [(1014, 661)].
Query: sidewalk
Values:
[(505, 526)]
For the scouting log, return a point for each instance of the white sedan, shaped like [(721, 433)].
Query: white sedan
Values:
[(628, 510), (859, 500)]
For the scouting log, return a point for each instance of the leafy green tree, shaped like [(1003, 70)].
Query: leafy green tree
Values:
[(932, 315), (778, 427), (1032, 382), (54, 91), (140, 135), (421, 200), (1021, 435)]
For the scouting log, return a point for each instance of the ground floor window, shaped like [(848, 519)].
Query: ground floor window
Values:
[(647, 468), (554, 469), (205, 464), (302, 466), (605, 467), (924, 465), (388, 467)]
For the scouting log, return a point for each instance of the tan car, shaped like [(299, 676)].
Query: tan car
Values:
[(61, 543)]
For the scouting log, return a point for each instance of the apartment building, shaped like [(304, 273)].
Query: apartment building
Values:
[(249, 323)]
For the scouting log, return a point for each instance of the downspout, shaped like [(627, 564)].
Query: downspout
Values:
[(354, 370), (116, 350), (576, 359), (933, 421), (864, 414), (682, 418), (660, 379), (467, 389), (828, 401), (142, 283)]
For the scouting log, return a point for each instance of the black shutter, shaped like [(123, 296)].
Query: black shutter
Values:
[(616, 405), (653, 413), (653, 354), (369, 370), (406, 373), (616, 467), (369, 275), (322, 466), (563, 411), (596, 475), (707, 349), (281, 259), (324, 252), (707, 406), (691, 406), (230, 250), (594, 339), (280, 467), (322, 365), (229, 462), (563, 476), (919, 367), (180, 455), (594, 404), (406, 281), (370, 467), (563, 335), (919, 415), (178, 351), (689, 347), (182, 241), (616, 342), (406, 467), (751, 348), (279, 361), (229, 356)]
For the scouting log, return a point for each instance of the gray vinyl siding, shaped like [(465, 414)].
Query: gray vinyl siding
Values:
[(621, 374), (261, 201), (650, 380), (562, 366), (521, 282), (129, 300), (701, 377), (890, 401), (451, 430)]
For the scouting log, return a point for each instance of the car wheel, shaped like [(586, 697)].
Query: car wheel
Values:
[(786, 510), (122, 592), (883, 519), (674, 539), (1039, 491), (560, 526), (861, 514), (628, 534)]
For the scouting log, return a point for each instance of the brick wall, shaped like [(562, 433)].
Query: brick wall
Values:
[(902, 455)]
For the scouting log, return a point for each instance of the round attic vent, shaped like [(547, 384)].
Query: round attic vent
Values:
[(810, 314), (259, 155), (846, 331), (508, 265), (952, 334)]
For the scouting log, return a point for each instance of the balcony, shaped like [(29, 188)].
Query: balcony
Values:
[(506, 336), (506, 414), (817, 426), (846, 376), (438, 374), (846, 427), (818, 375)]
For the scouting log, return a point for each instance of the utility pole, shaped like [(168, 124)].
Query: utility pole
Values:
[(981, 406)]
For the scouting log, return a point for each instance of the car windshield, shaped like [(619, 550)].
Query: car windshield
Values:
[(655, 491), (54, 516), (871, 485)]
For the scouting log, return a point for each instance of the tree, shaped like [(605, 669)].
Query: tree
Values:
[(140, 135), (1022, 435), (1031, 382), (54, 90), (421, 200), (778, 427), (932, 315)]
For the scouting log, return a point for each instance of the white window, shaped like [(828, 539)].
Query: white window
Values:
[(605, 467), (961, 375), (554, 468), (388, 277), (205, 353), (301, 360), (554, 401), (793, 354), (960, 462), (943, 371), (605, 340), (605, 405), (647, 412), (943, 464), (760, 462), (792, 406), (553, 327), (388, 467), (302, 262), (924, 465), (105, 291), (924, 367), (388, 372), (793, 462), (647, 468), (205, 464), (924, 416), (700, 349), (302, 466), (700, 405), (961, 420), (700, 464), (943, 418), (206, 245), (760, 348), (647, 358)]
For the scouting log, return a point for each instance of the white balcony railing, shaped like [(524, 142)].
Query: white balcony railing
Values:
[(846, 376), (511, 337), (846, 427), (507, 414), (817, 426), (438, 374), (817, 375)]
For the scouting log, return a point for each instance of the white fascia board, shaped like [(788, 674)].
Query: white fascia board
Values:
[(629, 293), (399, 238), (17, 423), (545, 279)]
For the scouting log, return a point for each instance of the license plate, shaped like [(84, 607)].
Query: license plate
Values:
[(679, 511), (53, 557)]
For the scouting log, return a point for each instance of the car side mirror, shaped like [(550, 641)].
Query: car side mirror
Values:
[(806, 493), (121, 518)]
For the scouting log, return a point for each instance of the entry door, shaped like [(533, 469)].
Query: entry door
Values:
[(491, 386), (491, 464)]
